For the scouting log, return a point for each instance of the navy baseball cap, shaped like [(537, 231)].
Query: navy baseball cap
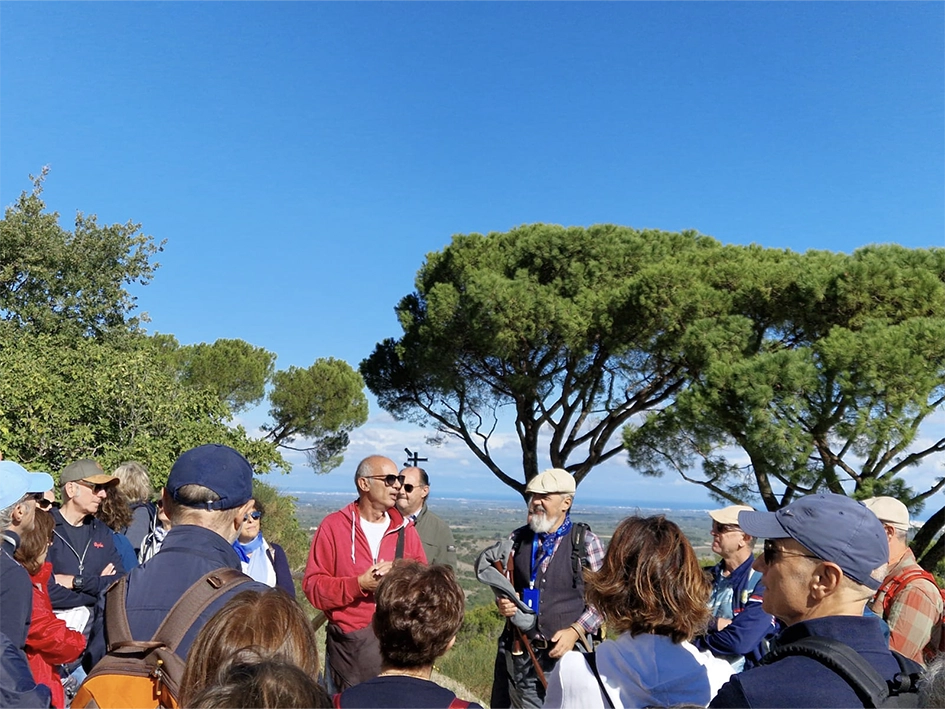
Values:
[(218, 467), (835, 528)]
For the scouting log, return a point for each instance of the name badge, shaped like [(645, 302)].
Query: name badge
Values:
[(530, 596)]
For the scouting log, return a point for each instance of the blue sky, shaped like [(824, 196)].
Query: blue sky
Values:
[(301, 159)]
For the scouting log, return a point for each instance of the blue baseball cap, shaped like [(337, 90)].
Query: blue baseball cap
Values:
[(214, 466), (834, 528), (16, 481)]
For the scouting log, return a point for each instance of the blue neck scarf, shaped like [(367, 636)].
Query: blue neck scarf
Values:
[(546, 542), (244, 550)]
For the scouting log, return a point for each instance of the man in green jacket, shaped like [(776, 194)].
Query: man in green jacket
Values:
[(436, 535)]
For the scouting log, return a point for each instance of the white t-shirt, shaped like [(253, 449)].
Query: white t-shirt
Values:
[(374, 531)]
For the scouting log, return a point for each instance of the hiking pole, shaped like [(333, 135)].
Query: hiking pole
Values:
[(519, 638)]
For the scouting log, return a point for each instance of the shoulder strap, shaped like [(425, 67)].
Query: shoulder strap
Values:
[(116, 618), (869, 686), (458, 703), (579, 561), (895, 585), (195, 601), (399, 553), (591, 659), (336, 700)]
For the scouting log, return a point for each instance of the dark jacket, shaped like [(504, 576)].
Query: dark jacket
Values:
[(17, 687), (16, 593), (280, 564), (87, 563), (747, 633), (188, 553), (797, 681)]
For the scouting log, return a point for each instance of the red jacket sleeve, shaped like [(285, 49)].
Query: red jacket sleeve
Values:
[(49, 637), (331, 580)]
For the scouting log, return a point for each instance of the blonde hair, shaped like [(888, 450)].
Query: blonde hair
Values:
[(135, 481)]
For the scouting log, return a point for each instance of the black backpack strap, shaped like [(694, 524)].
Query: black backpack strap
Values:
[(579, 561), (399, 553), (869, 686), (591, 659)]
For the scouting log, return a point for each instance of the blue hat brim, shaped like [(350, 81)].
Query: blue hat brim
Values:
[(763, 525)]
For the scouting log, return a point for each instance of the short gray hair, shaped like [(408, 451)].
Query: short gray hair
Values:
[(6, 514), (135, 481)]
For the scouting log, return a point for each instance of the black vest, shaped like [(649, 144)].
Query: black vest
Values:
[(561, 598)]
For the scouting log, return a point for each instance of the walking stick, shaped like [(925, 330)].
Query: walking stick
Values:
[(519, 638)]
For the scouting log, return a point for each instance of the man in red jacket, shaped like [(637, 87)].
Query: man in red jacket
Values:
[(352, 550)]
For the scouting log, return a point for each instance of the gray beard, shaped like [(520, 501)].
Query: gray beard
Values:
[(540, 523)]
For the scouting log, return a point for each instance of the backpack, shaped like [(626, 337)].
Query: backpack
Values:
[(869, 685), (151, 543), (892, 587), (146, 674)]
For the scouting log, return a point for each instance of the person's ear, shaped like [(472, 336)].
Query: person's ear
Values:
[(566, 503), (241, 513), (826, 580), (18, 512)]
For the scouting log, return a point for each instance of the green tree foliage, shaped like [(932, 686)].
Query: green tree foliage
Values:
[(572, 330), (54, 281), (234, 370), (322, 403), (827, 368), (65, 398)]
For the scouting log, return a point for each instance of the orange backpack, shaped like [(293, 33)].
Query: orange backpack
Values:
[(138, 674)]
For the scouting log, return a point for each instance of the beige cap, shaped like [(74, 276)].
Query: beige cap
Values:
[(729, 515), (890, 511), (552, 480), (88, 470)]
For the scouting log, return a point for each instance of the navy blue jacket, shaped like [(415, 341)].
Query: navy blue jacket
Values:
[(280, 564), (797, 681), (16, 594), (17, 686), (751, 626), (188, 553), (87, 563)]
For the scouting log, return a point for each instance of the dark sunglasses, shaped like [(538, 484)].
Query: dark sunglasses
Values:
[(41, 501), (772, 552), (94, 487), (255, 514), (723, 528), (389, 480)]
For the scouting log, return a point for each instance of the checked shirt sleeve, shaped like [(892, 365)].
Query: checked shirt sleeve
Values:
[(590, 620), (914, 611)]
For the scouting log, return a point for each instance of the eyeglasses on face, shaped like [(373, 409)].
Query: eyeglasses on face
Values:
[(94, 487), (255, 514), (724, 528), (41, 501), (389, 480), (772, 552)]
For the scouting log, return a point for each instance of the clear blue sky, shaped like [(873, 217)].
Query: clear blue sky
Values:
[(301, 158)]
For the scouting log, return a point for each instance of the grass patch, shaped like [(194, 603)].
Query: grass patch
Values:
[(472, 658)]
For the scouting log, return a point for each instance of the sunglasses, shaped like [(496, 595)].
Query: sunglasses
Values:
[(724, 528), (41, 501), (772, 552), (255, 514), (389, 480), (94, 487)]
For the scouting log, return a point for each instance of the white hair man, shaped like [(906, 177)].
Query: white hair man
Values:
[(909, 600)]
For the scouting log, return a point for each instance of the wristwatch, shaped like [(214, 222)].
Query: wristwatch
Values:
[(77, 583)]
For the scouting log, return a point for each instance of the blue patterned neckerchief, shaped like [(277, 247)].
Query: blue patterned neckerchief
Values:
[(546, 542)]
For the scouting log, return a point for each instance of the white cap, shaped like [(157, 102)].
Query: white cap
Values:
[(551, 481), (890, 511), (729, 515)]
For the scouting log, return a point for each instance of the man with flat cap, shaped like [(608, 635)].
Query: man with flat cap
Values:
[(909, 599), (740, 628), (548, 558), (824, 557), (19, 492)]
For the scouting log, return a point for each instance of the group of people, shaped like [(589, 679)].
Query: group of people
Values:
[(835, 594)]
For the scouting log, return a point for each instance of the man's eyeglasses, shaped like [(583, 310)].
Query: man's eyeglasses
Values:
[(723, 528), (94, 487), (772, 552), (389, 480), (41, 501)]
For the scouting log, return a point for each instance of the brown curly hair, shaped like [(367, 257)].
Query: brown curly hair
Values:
[(651, 581), (35, 541)]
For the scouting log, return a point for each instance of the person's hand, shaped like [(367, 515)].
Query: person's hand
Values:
[(721, 623), (506, 606), (64, 580), (563, 641), (373, 575)]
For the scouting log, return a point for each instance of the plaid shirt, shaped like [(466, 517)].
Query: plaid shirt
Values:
[(914, 611), (590, 620)]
